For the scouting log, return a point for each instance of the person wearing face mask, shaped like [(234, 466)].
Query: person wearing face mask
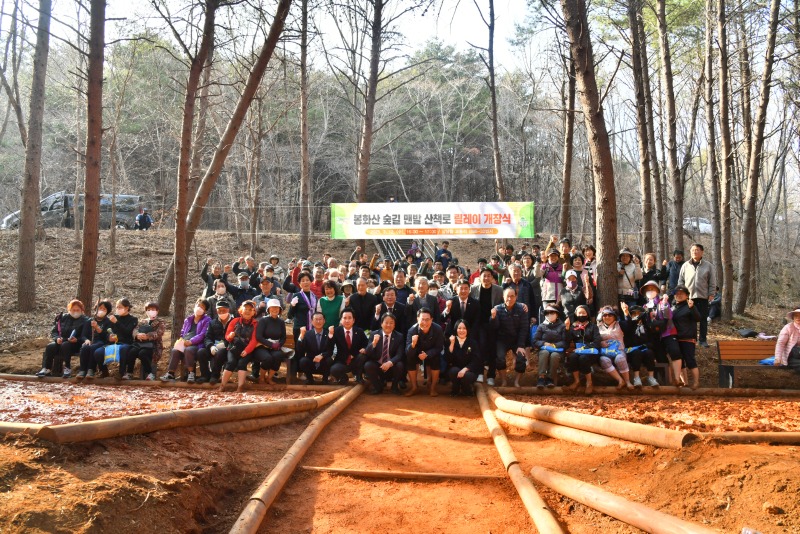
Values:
[(787, 349), (243, 291), (214, 353), (685, 317), (583, 332), (193, 333), (270, 336), (241, 338), (662, 330), (147, 344), (638, 345), (122, 326), (551, 334), (651, 272), (549, 273), (574, 295), (434, 290), (67, 338), (220, 295), (211, 278), (612, 355), (95, 336)]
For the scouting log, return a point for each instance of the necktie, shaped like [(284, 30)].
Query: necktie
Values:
[(319, 341), (348, 339), (385, 355), (390, 310), (463, 308)]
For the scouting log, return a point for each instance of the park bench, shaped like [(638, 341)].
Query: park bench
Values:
[(742, 354)]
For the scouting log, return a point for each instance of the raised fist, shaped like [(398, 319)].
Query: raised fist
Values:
[(358, 249), (330, 331), (241, 259), (494, 313), (664, 263), (227, 269), (208, 261), (411, 298), (414, 340), (295, 300), (378, 309), (376, 340), (452, 339)]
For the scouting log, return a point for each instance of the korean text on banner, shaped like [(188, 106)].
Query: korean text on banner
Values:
[(455, 220)]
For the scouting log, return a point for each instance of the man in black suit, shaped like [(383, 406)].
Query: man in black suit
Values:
[(351, 343), (313, 350), (422, 299), (385, 357), (464, 307), (424, 343), (363, 305), (390, 305)]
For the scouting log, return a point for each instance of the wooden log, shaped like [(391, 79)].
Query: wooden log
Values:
[(111, 381), (143, 424), (405, 475), (20, 428), (565, 433), (635, 432), (663, 390), (250, 425), (542, 516), (632, 513), (784, 438), (256, 508)]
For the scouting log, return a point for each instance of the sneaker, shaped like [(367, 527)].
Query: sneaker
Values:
[(549, 383), (190, 378), (127, 376), (541, 383), (490, 382), (479, 380), (67, 372), (637, 382), (44, 372), (90, 373), (167, 377), (150, 377), (81, 374), (651, 381), (703, 344)]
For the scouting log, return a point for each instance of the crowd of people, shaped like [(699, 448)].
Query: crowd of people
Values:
[(386, 321)]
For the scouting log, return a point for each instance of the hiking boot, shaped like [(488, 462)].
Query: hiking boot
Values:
[(44, 372), (190, 378)]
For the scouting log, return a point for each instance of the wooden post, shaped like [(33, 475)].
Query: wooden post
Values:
[(256, 508), (663, 390), (648, 435), (540, 513), (630, 512), (250, 425), (405, 475)]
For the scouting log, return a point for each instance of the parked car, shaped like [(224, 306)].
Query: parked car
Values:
[(56, 211), (697, 224)]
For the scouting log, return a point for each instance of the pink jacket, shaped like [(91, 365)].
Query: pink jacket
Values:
[(787, 339), (612, 333)]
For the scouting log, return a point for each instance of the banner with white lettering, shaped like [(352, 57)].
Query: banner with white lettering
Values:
[(454, 220)]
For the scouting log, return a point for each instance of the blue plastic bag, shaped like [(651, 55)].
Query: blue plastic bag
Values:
[(611, 350), (768, 361), (534, 328), (551, 349), (112, 354), (579, 349), (636, 348)]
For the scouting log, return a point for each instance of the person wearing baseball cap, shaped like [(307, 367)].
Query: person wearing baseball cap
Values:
[(787, 350), (214, 352), (685, 317)]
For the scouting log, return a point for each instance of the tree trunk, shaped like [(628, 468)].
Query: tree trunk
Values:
[(200, 131), (94, 145), (255, 178), (727, 164), (655, 168), (569, 136), (498, 165), (712, 169), (577, 27), (226, 141), (672, 143), (634, 10), (182, 244), (29, 214), (305, 172), (367, 123), (748, 236)]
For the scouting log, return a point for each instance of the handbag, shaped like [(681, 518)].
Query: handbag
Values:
[(112, 354), (145, 329), (657, 326)]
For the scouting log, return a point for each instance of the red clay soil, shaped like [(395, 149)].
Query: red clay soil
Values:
[(188, 480), (49, 403)]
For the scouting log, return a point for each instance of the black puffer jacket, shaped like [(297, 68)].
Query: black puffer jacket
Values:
[(216, 333), (635, 332), (512, 325), (588, 335), (685, 320), (64, 324), (555, 333)]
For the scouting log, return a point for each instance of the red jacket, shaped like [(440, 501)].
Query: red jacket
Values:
[(251, 346)]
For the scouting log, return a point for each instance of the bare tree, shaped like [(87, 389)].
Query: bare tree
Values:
[(26, 252), (727, 163), (711, 167), (577, 26), (569, 136), (305, 172), (94, 146)]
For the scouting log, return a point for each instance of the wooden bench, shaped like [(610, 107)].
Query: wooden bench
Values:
[(742, 353)]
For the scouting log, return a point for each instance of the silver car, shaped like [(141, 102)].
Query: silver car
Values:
[(56, 211)]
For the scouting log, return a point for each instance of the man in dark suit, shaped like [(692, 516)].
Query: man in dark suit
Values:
[(390, 305), (488, 294), (385, 357), (422, 299), (363, 305), (351, 343), (424, 343), (464, 307), (313, 351)]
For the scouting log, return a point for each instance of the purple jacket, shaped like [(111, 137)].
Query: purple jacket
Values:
[(200, 333)]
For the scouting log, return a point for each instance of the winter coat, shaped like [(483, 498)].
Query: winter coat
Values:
[(512, 325), (672, 273), (685, 320), (124, 328), (586, 333), (64, 325), (155, 336), (626, 283), (555, 333), (699, 279), (551, 282), (788, 339), (103, 324), (200, 330), (660, 309), (635, 332)]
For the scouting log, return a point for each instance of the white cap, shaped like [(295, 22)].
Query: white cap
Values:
[(273, 303), (571, 273)]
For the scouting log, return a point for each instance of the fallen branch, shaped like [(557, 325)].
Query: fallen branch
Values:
[(251, 425), (407, 475), (635, 432), (630, 512), (256, 508), (542, 516)]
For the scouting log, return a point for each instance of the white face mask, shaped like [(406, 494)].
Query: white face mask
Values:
[(101, 312), (652, 295), (152, 314), (224, 316), (198, 310), (75, 315), (434, 292), (221, 291)]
